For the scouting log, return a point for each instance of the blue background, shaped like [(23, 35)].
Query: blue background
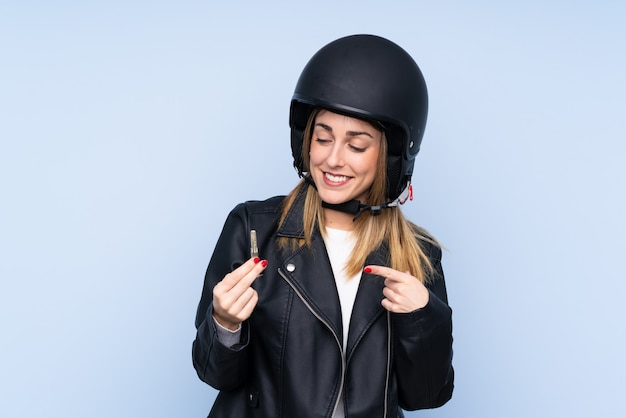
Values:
[(129, 130)]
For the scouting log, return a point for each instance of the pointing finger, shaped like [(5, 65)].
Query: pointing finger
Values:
[(387, 273)]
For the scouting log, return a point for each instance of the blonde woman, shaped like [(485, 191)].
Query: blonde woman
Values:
[(328, 302)]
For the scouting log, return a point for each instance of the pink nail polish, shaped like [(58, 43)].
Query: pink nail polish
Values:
[(264, 263), (367, 270), (256, 260)]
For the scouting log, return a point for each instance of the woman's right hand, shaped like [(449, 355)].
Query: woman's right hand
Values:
[(233, 298)]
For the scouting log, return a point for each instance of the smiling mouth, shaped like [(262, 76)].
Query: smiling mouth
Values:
[(336, 179)]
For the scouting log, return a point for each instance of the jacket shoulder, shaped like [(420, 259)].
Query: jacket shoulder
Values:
[(257, 212), (253, 207)]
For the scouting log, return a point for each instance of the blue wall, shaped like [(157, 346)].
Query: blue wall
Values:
[(129, 129)]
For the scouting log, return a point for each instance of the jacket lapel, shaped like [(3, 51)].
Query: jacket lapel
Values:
[(308, 270), (367, 307), (309, 273)]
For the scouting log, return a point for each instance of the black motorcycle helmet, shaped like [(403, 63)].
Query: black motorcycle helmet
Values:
[(372, 78)]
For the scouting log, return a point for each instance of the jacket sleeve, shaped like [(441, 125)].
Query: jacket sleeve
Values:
[(220, 366), (424, 347)]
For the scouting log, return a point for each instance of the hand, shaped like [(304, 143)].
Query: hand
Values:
[(233, 298), (403, 292)]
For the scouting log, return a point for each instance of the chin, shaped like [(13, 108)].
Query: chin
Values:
[(337, 200), (334, 199)]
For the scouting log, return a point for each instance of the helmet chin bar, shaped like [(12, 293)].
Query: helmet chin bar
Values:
[(356, 208)]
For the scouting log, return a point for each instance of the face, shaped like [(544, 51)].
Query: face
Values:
[(343, 157)]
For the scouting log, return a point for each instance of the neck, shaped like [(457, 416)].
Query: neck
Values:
[(338, 220)]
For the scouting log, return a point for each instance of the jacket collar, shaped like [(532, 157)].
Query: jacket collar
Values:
[(292, 227)]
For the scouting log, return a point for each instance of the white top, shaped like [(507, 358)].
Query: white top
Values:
[(339, 245)]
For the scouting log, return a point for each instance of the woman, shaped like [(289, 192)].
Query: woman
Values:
[(328, 302)]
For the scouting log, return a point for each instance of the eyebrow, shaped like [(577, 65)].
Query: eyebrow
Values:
[(349, 133)]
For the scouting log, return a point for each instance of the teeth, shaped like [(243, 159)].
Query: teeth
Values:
[(336, 179)]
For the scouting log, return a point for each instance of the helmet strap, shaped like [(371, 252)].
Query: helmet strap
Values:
[(356, 208)]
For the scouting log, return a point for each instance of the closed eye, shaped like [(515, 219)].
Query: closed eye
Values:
[(357, 149)]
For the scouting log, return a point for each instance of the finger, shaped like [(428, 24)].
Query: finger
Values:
[(226, 296), (235, 276), (246, 311), (405, 297), (395, 302), (398, 285), (397, 296), (389, 305), (246, 281), (390, 294), (387, 273), (232, 278), (242, 307)]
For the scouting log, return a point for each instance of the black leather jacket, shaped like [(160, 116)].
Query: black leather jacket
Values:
[(290, 361)]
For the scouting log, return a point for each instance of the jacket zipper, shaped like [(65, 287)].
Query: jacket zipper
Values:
[(343, 356)]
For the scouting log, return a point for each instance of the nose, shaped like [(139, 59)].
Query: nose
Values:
[(335, 156)]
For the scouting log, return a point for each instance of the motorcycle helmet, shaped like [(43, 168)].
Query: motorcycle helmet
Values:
[(372, 78)]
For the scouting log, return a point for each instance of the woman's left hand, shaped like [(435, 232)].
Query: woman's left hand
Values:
[(403, 292)]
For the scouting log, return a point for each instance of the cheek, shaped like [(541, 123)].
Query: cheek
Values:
[(368, 165), (316, 156)]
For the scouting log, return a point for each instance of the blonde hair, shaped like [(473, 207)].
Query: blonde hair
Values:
[(402, 237)]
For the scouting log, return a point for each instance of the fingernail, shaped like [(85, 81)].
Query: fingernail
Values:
[(367, 270), (256, 260), (264, 263)]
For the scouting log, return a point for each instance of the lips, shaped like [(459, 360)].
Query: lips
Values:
[(335, 179)]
